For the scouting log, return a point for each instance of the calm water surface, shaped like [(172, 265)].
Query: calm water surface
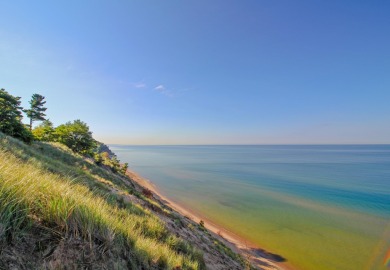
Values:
[(320, 207)]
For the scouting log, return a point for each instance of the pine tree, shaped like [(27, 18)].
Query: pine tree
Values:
[(36, 111)]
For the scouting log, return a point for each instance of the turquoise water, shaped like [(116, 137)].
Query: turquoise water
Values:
[(320, 207)]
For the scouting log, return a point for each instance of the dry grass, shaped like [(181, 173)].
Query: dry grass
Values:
[(52, 186)]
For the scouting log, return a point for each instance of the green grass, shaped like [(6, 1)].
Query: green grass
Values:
[(51, 186)]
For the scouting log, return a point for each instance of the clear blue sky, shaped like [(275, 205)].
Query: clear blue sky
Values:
[(205, 72)]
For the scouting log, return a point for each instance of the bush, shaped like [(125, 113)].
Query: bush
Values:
[(76, 136), (44, 132), (201, 224)]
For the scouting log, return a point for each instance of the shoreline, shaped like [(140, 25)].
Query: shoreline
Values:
[(255, 254)]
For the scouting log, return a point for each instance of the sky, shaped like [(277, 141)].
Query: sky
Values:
[(204, 72)]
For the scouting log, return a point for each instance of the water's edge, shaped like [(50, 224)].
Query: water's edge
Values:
[(295, 200)]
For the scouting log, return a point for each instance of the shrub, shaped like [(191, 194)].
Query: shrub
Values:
[(44, 131), (147, 193), (201, 224), (76, 136)]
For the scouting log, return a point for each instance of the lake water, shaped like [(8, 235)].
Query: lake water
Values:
[(319, 207)]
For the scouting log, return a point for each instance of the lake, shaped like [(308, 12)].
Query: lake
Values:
[(318, 206)]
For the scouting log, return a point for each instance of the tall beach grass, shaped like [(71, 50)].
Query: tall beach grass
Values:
[(51, 186)]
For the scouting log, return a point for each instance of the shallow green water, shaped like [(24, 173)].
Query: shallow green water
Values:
[(319, 207)]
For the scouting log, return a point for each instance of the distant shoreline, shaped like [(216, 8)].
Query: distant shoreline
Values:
[(256, 255)]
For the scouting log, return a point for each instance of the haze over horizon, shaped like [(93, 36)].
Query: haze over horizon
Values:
[(205, 72)]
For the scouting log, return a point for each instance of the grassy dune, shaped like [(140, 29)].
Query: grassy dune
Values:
[(46, 186)]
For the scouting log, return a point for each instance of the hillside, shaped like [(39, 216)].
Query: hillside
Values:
[(59, 210)]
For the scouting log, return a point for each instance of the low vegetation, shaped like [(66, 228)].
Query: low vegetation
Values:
[(65, 202)]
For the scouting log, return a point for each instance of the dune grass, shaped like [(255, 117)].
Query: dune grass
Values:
[(46, 184)]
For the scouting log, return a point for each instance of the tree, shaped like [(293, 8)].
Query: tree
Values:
[(11, 117), (44, 131), (76, 136), (36, 111)]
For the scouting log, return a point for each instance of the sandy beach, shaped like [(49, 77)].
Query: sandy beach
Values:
[(256, 255)]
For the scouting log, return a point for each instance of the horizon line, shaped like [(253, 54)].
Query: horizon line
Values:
[(251, 144)]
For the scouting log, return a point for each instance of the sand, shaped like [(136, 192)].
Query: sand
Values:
[(258, 256)]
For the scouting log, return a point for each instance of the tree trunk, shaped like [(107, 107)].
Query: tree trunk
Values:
[(31, 123)]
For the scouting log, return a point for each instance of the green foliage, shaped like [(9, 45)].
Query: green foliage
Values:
[(104, 158), (115, 165), (36, 111), (76, 136), (11, 117), (98, 158), (44, 132), (124, 168)]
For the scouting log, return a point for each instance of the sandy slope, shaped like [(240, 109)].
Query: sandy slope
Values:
[(258, 257)]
